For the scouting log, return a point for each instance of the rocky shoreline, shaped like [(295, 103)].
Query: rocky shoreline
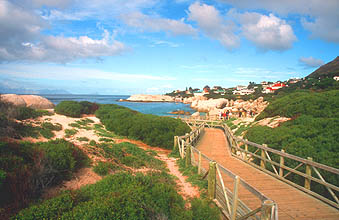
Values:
[(212, 107)]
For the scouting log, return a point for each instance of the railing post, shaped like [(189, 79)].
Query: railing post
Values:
[(175, 143), (309, 173), (235, 198), (212, 180), (188, 155), (263, 155), (246, 150), (199, 163), (182, 148), (282, 161), (266, 210)]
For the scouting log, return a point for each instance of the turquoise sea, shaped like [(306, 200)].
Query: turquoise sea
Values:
[(156, 108)]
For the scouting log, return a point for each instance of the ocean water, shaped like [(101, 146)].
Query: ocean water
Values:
[(155, 108)]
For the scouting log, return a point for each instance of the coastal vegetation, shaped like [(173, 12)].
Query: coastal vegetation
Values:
[(122, 196), (75, 109), (152, 130), (28, 168)]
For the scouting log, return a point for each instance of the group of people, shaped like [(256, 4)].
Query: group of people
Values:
[(225, 115), (241, 113)]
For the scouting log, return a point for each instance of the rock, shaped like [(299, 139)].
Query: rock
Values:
[(196, 114), (32, 101), (37, 102), (273, 122), (16, 100), (150, 98), (180, 112)]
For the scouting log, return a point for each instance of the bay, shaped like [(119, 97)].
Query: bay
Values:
[(155, 108)]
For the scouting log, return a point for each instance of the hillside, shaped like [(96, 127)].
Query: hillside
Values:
[(330, 69)]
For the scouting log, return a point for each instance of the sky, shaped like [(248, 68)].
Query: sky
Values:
[(125, 47)]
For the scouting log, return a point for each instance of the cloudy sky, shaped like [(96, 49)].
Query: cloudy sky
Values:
[(155, 46)]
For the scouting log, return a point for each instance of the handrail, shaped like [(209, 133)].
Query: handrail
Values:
[(228, 201), (265, 158)]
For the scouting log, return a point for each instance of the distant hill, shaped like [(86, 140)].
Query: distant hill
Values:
[(330, 69)]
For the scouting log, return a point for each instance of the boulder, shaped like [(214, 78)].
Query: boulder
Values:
[(196, 114), (37, 102), (32, 101), (16, 100)]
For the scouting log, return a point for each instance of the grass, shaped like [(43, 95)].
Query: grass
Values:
[(107, 140), (104, 168), (100, 130)]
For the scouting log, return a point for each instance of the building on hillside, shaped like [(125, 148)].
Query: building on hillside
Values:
[(239, 87), (207, 89), (274, 88), (294, 80), (216, 88), (243, 92), (336, 78)]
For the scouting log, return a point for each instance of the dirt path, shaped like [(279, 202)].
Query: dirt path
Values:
[(87, 176), (185, 188)]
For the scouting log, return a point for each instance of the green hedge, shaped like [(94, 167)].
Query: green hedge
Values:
[(151, 129), (75, 109), (122, 196), (26, 168)]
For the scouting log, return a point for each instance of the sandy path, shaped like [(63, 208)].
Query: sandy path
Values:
[(87, 176), (185, 188)]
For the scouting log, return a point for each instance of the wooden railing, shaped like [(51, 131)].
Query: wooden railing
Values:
[(301, 173), (232, 207)]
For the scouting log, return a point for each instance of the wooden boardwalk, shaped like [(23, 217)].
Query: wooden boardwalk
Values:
[(292, 203)]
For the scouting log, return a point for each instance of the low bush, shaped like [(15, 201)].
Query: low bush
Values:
[(27, 168), (70, 132), (151, 129), (122, 196), (104, 168), (75, 109), (84, 139), (69, 108)]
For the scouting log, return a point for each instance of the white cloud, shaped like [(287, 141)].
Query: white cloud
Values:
[(21, 39), (267, 32), (213, 25), (156, 24), (310, 62), (165, 43), (324, 23)]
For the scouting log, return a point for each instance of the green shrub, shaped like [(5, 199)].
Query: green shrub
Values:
[(69, 108), (203, 209), (103, 168), (70, 132), (52, 127), (121, 196), (85, 139), (151, 129), (92, 143), (26, 113), (47, 133), (75, 109), (27, 168)]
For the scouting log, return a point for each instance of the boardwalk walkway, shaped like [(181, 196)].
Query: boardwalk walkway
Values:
[(292, 203)]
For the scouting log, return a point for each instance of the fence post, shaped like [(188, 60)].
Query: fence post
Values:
[(199, 163), (235, 198), (182, 148), (212, 180), (263, 155), (188, 155), (309, 173), (175, 143), (282, 161), (266, 210), (246, 150)]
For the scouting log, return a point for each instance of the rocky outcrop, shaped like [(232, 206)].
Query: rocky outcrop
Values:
[(273, 122), (180, 112), (150, 98), (32, 101), (16, 100)]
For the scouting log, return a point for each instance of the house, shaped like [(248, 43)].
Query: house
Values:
[(241, 87), (273, 88), (243, 92), (294, 80), (216, 88), (207, 89)]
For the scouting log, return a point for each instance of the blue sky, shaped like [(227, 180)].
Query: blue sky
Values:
[(156, 46)]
